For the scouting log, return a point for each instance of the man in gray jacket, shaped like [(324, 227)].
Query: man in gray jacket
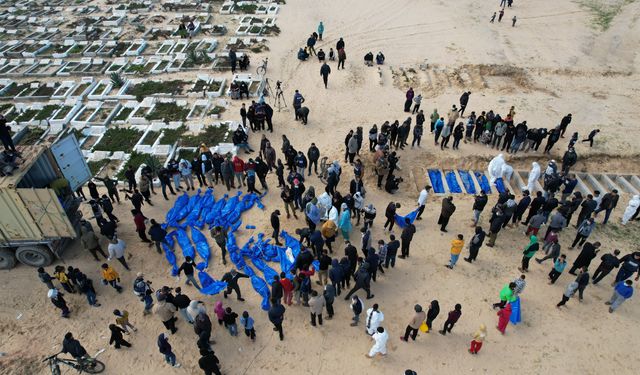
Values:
[(316, 305), (558, 221), (584, 231)]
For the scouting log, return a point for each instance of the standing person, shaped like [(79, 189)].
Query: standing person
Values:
[(220, 236), (566, 120), (342, 57), (316, 306), (247, 324), (475, 244), (208, 362), (116, 337), (158, 235), (107, 207), (243, 114), (380, 337), (5, 136), (165, 349), (356, 307), (416, 107), (229, 321), (422, 201), (630, 264), (503, 318), (111, 277), (60, 274), (558, 266), (409, 99), (362, 281), (478, 338), (432, 314), (456, 248), (414, 324), (91, 243), (139, 221), (584, 231), (528, 253), (513, 21), (452, 319), (313, 154), (448, 208), (522, 206), (418, 130), (116, 249), (406, 237), (568, 293), (551, 248), (608, 204), (320, 30), (373, 318), (231, 278), (622, 292), (500, 15), (276, 317), (345, 221), (311, 42), (496, 222), (479, 203), (275, 224), (85, 286), (506, 295), (72, 346), (329, 295), (589, 251), (325, 70), (165, 312), (464, 100), (182, 301), (122, 319), (583, 281), (58, 301), (609, 262)]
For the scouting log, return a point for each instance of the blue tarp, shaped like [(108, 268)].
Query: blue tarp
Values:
[(467, 181), (209, 285), (483, 181), (401, 219), (516, 313), (171, 257), (452, 182), (184, 242), (500, 185), (436, 181), (202, 247), (260, 286)]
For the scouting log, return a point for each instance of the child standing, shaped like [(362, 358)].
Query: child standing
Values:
[(456, 249), (478, 339), (59, 274), (247, 324), (452, 319), (230, 321), (557, 269), (357, 306), (219, 310)]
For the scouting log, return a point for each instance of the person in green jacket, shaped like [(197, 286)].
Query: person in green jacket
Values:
[(506, 295), (434, 117), (528, 253)]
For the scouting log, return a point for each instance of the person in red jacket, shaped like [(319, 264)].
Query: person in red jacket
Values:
[(141, 228), (238, 170), (287, 287)]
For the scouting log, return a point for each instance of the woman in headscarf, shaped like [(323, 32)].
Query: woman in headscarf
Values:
[(478, 339), (432, 313), (345, 221), (528, 253), (503, 318)]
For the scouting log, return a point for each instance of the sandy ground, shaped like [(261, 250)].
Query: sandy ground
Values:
[(550, 64)]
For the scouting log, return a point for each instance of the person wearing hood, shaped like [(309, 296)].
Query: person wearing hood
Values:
[(356, 307), (631, 209), (528, 253), (276, 317), (73, 347), (185, 171), (569, 159), (588, 253), (363, 281), (414, 324), (218, 309), (373, 318), (208, 362), (380, 338), (345, 221), (584, 231), (475, 244), (448, 208), (432, 314), (312, 214), (358, 205), (165, 349), (452, 319), (202, 328), (623, 291), (478, 339), (58, 301)]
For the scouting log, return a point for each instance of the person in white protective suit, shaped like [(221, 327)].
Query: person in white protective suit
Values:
[(380, 346), (534, 175), (373, 319), (495, 168), (507, 172), (631, 209)]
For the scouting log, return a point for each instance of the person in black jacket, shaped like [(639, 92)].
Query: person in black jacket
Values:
[(609, 262), (276, 317), (276, 290), (363, 281), (231, 278), (588, 253), (158, 235), (432, 313), (390, 214), (406, 237), (275, 224), (209, 363), (608, 203), (181, 302), (188, 267), (479, 203), (325, 70), (464, 100), (475, 244), (522, 207), (313, 154), (116, 337), (72, 346), (497, 220), (535, 206), (588, 207), (130, 175)]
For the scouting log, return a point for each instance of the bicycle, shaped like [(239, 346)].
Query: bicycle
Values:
[(88, 365), (262, 69)]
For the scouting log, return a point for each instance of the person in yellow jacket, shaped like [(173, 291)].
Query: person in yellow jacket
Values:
[(111, 277), (328, 231), (59, 274), (456, 249), (478, 338)]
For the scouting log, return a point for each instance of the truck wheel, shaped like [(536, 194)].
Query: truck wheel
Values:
[(34, 256), (7, 259)]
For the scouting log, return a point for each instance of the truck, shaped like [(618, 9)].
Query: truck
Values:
[(39, 213)]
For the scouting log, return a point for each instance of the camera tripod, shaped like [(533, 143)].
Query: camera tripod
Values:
[(278, 99)]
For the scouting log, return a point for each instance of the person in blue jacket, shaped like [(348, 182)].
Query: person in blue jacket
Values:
[(320, 30), (622, 292)]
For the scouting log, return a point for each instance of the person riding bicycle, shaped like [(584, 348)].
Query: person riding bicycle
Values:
[(72, 346)]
